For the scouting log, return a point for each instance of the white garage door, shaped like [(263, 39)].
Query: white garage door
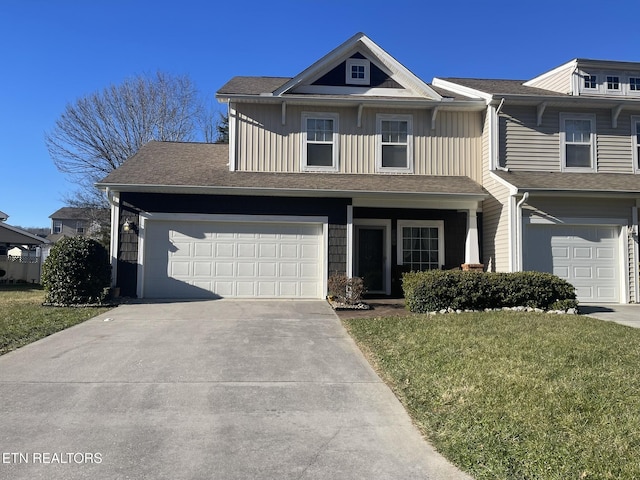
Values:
[(585, 256), (197, 259)]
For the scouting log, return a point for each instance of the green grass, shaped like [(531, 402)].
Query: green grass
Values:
[(23, 318), (509, 395)]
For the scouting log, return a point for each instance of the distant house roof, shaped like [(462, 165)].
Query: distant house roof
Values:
[(609, 183), (3, 216), (71, 213), (10, 235), (174, 166)]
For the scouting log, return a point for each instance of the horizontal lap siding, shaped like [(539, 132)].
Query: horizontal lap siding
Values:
[(452, 148), (559, 82), (615, 147), (526, 146)]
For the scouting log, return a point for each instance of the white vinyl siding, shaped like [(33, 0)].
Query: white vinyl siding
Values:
[(496, 227), (559, 81), (453, 148)]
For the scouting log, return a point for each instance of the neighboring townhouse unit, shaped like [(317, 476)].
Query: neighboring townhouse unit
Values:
[(77, 221), (561, 163), (353, 166)]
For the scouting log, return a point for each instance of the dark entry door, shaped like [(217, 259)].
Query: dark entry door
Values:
[(371, 257)]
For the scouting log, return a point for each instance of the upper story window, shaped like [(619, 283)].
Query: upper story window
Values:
[(635, 133), (319, 141), (358, 71), (57, 226), (394, 143), (590, 81), (613, 83), (80, 227), (577, 139), (634, 84)]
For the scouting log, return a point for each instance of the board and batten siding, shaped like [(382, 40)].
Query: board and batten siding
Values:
[(495, 230), (452, 148), (526, 146)]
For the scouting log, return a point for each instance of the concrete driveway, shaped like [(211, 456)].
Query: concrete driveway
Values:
[(624, 314), (205, 390)]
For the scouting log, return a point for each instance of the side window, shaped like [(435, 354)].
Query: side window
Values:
[(394, 143), (577, 142), (319, 141), (57, 226)]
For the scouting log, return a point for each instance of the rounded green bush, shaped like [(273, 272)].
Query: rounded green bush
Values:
[(77, 271)]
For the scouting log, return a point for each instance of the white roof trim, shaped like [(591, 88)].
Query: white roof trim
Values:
[(400, 73), (462, 90)]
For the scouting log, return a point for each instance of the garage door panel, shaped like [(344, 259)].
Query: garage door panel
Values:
[(209, 259), (585, 256)]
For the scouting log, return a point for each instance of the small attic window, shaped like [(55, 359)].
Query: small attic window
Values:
[(358, 71)]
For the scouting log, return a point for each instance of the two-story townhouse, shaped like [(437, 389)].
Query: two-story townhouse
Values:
[(71, 222), (353, 166), (561, 163)]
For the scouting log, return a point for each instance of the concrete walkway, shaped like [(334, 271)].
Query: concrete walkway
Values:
[(205, 390)]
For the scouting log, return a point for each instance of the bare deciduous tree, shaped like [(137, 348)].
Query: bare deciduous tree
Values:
[(97, 133)]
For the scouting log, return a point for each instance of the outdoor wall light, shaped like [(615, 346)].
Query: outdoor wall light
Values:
[(128, 226)]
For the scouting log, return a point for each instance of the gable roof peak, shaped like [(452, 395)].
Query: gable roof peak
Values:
[(360, 43)]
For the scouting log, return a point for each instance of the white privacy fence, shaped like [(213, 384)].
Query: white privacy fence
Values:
[(16, 269)]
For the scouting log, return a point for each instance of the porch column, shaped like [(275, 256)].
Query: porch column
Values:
[(471, 246)]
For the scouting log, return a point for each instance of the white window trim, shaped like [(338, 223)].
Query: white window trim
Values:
[(80, 227), (614, 91), (589, 89), (563, 151), (379, 119), (335, 145), (360, 62), (439, 224), (635, 121), (632, 93), (56, 223)]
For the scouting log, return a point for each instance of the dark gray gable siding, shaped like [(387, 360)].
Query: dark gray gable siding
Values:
[(337, 76)]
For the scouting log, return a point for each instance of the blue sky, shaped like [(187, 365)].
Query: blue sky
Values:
[(56, 51)]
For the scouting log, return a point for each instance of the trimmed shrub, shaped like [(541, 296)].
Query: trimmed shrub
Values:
[(346, 290), (437, 289), (77, 271)]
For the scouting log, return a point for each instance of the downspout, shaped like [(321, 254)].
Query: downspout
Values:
[(518, 243), (636, 250), (496, 140)]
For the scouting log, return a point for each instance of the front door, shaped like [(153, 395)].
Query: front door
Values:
[(370, 263)]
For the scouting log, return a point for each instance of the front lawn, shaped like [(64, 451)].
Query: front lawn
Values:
[(23, 319), (509, 395)]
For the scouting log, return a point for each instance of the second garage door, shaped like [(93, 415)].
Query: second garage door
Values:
[(198, 259), (585, 256)]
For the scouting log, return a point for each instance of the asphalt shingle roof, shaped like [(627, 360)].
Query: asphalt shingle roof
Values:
[(573, 182), (177, 164), (503, 87)]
